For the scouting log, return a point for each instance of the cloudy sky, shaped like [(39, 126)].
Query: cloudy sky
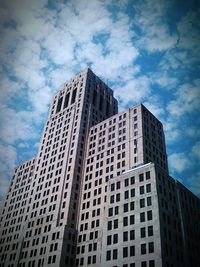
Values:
[(147, 51)]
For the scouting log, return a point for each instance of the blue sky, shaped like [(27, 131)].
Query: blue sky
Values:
[(147, 51)]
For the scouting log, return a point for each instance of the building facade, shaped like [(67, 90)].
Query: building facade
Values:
[(98, 192)]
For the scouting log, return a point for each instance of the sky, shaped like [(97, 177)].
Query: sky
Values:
[(146, 51)]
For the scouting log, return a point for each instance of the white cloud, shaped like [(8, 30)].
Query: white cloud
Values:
[(196, 150), (178, 162), (187, 99), (155, 32), (164, 80), (134, 91), (154, 104)]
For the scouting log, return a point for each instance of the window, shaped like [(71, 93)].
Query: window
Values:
[(110, 212), (126, 194), (142, 217), (132, 180), (132, 219), (112, 199), (143, 264), (150, 230), (132, 234), (116, 224), (109, 240), (114, 254), (108, 255), (151, 247), (115, 238), (118, 185), (126, 182), (132, 192), (148, 188), (143, 249), (149, 201), (118, 197), (73, 96), (148, 176), (109, 225), (125, 236), (132, 205), (66, 100), (132, 251), (125, 252), (141, 190), (151, 263), (142, 203), (59, 104), (149, 215), (126, 207), (116, 210), (142, 232), (112, 187), (141, 177), (125, 221)]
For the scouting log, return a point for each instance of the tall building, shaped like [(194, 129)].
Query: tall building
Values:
[(98, 192)]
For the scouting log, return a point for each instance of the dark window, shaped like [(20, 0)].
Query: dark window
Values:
[(141, 177), (109, 225), (143, 249), (148, 188), (142, 232), (108, 255), (132, 251), (109, 240), (125, 221), (118, 197), (116, 224), (132, 180), (141, 190), (149, 215), (142, 203), (143, 264), (114, 254), (126, 207), (110, 212), (133, 192), (125, 252), (126, 182), (149, 201), (126, 194), (132, 219), (115, 238), (66, 103), (132, 205), (59, 104), (151, 263), (148, 175), (132, 234), (150, 230), (151, 247), (142, 217), (125, 236), (118, 185), (73, 96)]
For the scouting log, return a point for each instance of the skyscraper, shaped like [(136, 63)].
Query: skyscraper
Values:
[(98, 192)]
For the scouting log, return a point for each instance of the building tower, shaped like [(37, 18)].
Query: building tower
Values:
[(98, 192), (40, 214)]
